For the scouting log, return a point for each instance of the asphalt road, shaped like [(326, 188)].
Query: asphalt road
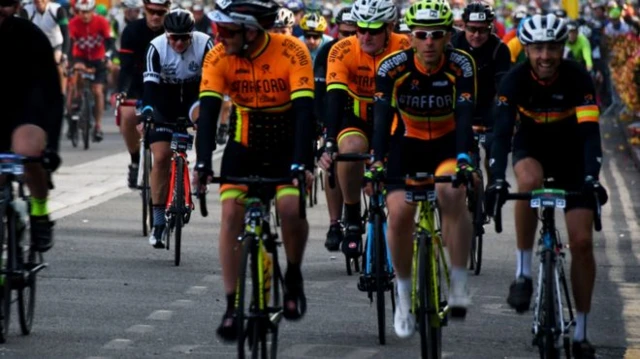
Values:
[(108, 294)]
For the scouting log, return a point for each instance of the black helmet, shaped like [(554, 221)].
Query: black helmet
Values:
[(179, 22), (478, 12), (344, 16), (251, 13), (561, 13)]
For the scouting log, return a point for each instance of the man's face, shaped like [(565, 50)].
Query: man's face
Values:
[(86, 16), (312, 40), (346, 30), (545, 58), (477, 33), (230, 35), (7, 10), (371, 40), (429, 43), (41, 5), (198, 15), (298, 16), (573, 36), (131, 14), (287, 30), (155, 16), (179, 42)]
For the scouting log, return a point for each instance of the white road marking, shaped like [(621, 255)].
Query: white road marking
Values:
[(140, 329), (161, 315), (182, 303), (197, 290), (118, 344)]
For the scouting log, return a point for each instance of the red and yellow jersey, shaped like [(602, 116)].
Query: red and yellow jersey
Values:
[(351, 69), (261, 85)]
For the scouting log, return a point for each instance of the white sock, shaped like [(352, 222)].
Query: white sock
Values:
[(459, 275), (403, 286), (523, 259), (580, 333)]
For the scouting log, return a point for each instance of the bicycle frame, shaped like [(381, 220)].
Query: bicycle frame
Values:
[(376, 206), (180, 144)]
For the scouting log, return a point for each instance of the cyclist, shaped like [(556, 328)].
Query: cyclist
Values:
[(52, 19), (131, 12), (284, 22), (133, 50), (349, 116), (269, 78), (171, 87), (518, 15), (557, 136), (90, 36), (430, 89), (313, 26), (578, 47), (203, 23), (492, 60), (32, 108)]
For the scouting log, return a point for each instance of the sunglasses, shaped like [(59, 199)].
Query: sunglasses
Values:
[(433, 34), (156, 12), (479, 30), (312, 36), (372, 32), (226, 33), (347, 33), (180, 37)]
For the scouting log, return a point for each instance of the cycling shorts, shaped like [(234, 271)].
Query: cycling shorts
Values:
[(409, 156), (100, 76), (239, 161), (160, 134), (353, 126), (561, 158)]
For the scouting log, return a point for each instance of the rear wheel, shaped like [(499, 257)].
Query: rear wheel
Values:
[(381, 275), (5, 298), (243, 301), (85, 119), (147, 209), (475, 257), (179, 208), (27, 293)]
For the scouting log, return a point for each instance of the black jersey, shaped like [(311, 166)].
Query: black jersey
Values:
[(133, 50)]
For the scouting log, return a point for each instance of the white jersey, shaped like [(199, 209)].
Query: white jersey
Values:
[(47, 22), (172, 67)]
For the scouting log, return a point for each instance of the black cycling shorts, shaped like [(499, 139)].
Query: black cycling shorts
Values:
[(355, 126), (561, 157), (409, 156), (160, 134), (100, 76)]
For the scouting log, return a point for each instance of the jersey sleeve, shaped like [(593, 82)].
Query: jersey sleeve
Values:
[(105, 29), (505, 117), (152, 66), (214, 70), (301, 73), (588, 115), (337, 70), (466, 82), (502, 63)]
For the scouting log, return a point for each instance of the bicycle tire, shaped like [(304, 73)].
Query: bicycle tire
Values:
[(85, 119), (247, 245), (430, 336), (147, 208), (5, 305), (179, 206), (380, 273), (476, 243), (276, 300), (26, 310), (73, 131), (549, 308)]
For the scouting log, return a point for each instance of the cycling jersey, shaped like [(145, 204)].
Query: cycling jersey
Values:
[(325, 40), (320, 73), (133, 50), (580, 51), (560, 114), (53, 22), (428, 104), (492, 62), (268, 90), (90, 39), (172, 80), (353, 71)]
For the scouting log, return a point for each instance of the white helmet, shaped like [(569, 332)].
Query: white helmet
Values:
[(132, 4), (543, 28), (85, 5), (374, 11), (285, 18)]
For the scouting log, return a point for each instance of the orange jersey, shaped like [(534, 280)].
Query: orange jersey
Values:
[(351, 69), (262, 85)]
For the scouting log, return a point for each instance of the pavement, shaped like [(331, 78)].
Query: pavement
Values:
[(108, 294)]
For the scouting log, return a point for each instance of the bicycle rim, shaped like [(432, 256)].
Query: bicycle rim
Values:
[(179, 207), (85, 119), (276, 302), (430, 334), (549, 308), (247, 245), (147, 209), (379, 257), (27, 302), (4, 308)]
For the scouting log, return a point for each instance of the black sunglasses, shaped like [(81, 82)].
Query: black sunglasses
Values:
[(347, 33), (156, 12), (433, 34), (180, 37), (372, 32), (226, 33), (479, 30), (312, 36)]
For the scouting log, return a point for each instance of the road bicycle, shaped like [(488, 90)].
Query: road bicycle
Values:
[(19, 261), (82, 118), (475, 203), (553, 312), (258, 307)]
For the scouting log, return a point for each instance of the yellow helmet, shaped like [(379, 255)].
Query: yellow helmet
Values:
[(313, 22)]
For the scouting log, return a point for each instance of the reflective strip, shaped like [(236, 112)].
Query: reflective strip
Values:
[(239, 126), (301, 93), (352, 131), (589, 113), (231, 193), (337, 86), (287, 191), (211, 94), (356, 107)]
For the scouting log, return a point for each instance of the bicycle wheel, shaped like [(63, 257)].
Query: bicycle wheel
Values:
[(147, 207), (179, 207), (27, 302), (548, 348), (380, 272), (85, 119), (248, 244), (429, 322), (73, 130), (276, 301), (475, 258), (5, 298)]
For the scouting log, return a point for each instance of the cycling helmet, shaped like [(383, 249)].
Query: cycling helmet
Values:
[(294, 5), (85, 5), (520, 14), (541, 29), (313, 22), (179, 22), (615, 13), (345, 17), (157, 2), (477, 11), (285, 18), (374, 11), (132, 4), (572, 25), (257, 14), (429, 13), (561, 13), (102, 10)]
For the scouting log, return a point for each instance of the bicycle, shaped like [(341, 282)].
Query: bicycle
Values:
[(475, 203), (260, 264), (552, 319), (429, 264), (81, 118), (378, 274), (22, 264)]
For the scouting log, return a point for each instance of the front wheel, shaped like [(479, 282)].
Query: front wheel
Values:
[(27, 301), (548, 312), (178, 206), (428, 317), (85, 120), (381, 275)]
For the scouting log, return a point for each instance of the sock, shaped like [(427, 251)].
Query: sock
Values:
[(159, 218), (523, 267), (293, 275), (403, 286), (459, 275), (353, 213), (580, 333), (231, 302), (135, 157), (38, 207)]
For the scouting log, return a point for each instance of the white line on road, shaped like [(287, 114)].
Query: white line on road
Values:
[(140, 329), (197, 289), (161, 315), (118, 344)]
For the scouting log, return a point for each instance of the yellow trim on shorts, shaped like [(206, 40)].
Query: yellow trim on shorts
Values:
[(287, 191), (231, 193), (353, 132)]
